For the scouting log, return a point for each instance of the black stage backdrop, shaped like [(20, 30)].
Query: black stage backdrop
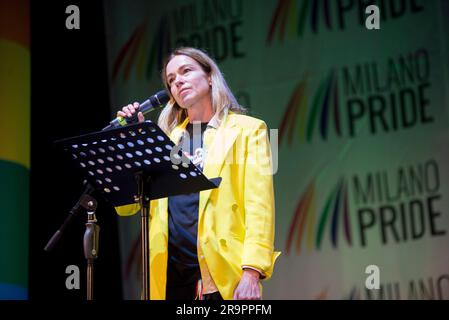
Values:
[(69, 97)]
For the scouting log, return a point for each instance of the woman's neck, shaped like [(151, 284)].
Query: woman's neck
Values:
[(200, 113)]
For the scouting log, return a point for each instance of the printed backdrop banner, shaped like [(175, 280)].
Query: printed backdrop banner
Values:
[(14, 147), (359, 122)]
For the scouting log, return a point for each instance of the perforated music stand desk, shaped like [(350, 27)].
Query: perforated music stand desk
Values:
[(136, 163)]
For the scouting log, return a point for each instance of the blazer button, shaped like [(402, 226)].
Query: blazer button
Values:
[(235, 207)]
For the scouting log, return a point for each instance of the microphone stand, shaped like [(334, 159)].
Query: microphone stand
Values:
[(91, 235), (73, 212)]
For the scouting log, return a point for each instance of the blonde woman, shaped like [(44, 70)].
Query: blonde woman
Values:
[(215, 244)]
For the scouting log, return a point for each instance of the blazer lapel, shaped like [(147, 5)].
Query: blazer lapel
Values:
[(177, 132), (218, 143)]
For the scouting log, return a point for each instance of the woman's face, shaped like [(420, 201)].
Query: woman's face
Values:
[(188, 82)]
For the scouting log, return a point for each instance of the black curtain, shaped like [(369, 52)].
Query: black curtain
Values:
[(69, 97)]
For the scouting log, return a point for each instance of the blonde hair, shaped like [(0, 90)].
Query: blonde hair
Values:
[(222, 97)]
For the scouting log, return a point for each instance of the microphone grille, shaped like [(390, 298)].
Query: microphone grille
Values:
[(162, 97)]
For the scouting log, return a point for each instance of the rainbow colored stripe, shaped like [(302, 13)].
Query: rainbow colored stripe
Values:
[(15, 147), (304, 219), (302, 119)]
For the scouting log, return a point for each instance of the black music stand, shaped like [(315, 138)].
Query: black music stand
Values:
[(113, 161)]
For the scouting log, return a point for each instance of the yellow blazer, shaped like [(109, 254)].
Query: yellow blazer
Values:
[(236, 220)]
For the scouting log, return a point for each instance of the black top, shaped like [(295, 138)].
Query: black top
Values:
[(183, 267)]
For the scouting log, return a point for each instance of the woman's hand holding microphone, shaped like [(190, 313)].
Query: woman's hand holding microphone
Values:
[(129, 110)]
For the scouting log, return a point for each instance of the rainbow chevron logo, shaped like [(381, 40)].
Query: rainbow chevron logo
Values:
[(141, 54), (290, 16), (306, 227), (302, 118), (324, 294), (354, 294)]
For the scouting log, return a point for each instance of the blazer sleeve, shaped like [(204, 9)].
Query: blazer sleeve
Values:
[(258, 246), (134, 208), (127, 210)]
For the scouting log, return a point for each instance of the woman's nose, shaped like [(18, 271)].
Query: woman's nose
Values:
[(178, 81)]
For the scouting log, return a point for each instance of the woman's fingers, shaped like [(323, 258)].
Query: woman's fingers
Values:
[(128, 110), (140, 117)]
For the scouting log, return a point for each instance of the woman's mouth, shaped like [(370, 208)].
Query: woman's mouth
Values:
[(183, 91)]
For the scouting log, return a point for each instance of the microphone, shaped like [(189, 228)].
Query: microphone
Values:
[(156, 100)]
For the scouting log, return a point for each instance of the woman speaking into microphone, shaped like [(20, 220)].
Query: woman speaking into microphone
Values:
[(215, 244)]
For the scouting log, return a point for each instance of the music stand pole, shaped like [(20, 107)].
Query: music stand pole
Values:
[(144, 191)]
